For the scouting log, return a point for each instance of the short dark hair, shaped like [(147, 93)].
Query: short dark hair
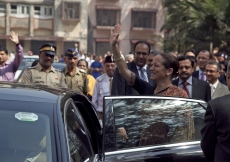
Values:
[(141, 42), (219, 68), (83, 61), (191, 50), (154, 52), (190, 58), (210, 55), (3, 48), (170, 62)]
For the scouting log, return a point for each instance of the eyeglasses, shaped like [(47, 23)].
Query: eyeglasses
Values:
[(139, 53), (211, 71)]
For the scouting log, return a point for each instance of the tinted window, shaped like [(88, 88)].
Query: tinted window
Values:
[(24, 136), (79, 145), (155, 122)]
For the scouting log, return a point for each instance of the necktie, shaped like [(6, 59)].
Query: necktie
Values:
[(185, 87), (202, 76), (110, 85), (212, 89), (142, 76)]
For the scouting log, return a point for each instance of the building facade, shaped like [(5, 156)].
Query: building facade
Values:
[(140, 20), (62, 22)]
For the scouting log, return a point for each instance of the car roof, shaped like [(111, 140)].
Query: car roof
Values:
[(29, 92)]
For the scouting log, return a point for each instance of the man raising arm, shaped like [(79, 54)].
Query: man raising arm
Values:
[(7, 68)]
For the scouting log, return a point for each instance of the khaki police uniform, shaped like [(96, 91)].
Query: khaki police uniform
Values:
[(38, 75), (78, 81)]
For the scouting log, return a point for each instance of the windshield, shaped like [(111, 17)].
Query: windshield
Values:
[(25, 135)]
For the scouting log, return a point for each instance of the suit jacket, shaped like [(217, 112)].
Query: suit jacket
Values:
[(121, 87), (200, 89), (221, 78), (221, 90), (215, 141)]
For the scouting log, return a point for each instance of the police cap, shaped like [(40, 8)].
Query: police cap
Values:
[(49, 49), (109, 59), (71, 52)]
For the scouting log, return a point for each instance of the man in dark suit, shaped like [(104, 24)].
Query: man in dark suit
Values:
[(203, 58), (215, 141), (138, 66), (195, 88)]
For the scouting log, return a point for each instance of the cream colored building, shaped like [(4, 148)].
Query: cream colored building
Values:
[(139, 19), (62, 22)]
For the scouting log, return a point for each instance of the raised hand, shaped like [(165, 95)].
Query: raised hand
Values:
[(115, 32), (14, 37)]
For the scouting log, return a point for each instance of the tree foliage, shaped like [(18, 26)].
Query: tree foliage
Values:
[(197, 23)]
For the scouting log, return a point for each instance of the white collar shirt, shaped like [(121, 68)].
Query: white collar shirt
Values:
[(144, 70), (101, 89), (214, 86)]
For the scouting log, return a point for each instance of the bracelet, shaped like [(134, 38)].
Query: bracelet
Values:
[(119, 59)]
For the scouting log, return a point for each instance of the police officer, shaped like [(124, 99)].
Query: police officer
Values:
[(75, 79), (44, 73)]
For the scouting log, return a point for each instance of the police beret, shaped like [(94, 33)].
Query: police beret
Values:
[(220, 54), (49, 48), (109, 59), (71, 52)]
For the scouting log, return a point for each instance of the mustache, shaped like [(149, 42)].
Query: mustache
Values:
[(183, 73)]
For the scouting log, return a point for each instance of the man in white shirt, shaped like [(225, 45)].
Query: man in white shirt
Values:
[(103, 85), (213, 73)]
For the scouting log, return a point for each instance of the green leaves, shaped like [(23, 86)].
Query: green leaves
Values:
[(198, 21)]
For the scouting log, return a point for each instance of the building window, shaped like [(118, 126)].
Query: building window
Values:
[(2, 8), (19, 9), (143, 19), (71, 10), (107, 17), (45, 11), (102, 48)]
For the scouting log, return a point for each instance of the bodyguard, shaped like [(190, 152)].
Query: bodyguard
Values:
[(44, 73), (76, 79)]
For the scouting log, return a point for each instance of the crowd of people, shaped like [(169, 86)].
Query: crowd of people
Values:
[(194, 75)]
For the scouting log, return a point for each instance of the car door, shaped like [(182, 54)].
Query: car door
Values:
[(157, 128), (77, 134)]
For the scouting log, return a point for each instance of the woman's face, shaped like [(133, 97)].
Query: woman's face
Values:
[(82, 65), (158, 71)]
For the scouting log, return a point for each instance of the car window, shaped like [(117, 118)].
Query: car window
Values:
[(152, 122), (24, 136), (79, 146)]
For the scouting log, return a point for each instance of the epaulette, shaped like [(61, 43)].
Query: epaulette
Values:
[(33, 67), (82, 70), (100, 78)]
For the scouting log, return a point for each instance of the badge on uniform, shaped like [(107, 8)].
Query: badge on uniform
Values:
[(56, 78), (38, 77)]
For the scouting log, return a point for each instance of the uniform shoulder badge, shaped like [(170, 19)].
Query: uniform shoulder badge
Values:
[(82, 70), (33, 67), (100, 78)]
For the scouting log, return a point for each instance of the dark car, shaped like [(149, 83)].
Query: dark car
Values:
[(57, 65), (43, 124), (159, 129)]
